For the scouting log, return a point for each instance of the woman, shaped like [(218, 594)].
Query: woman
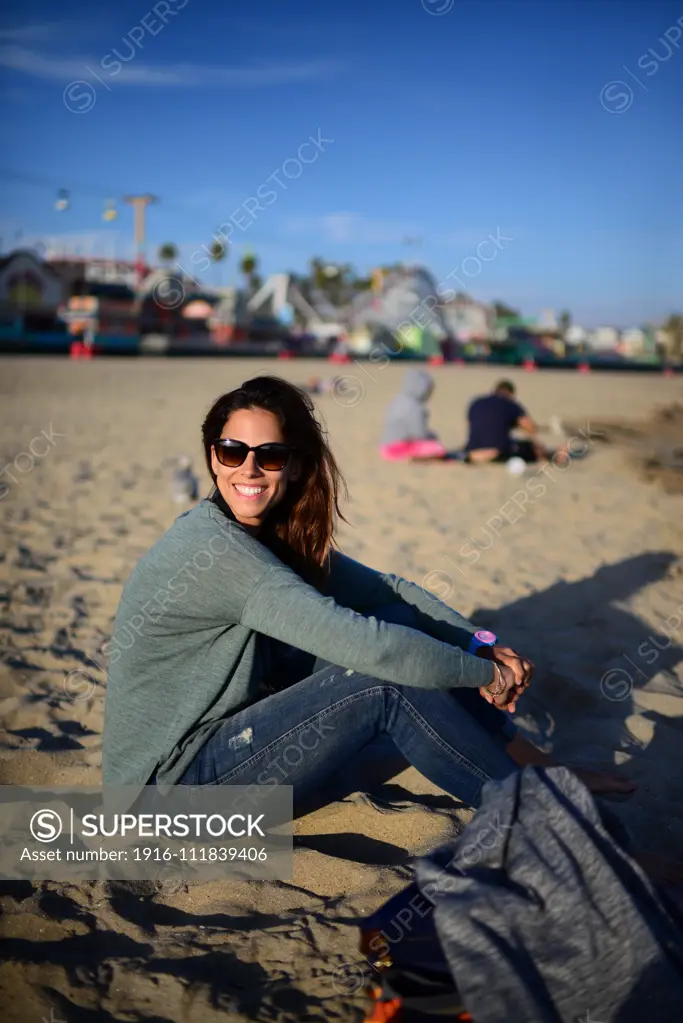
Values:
[(212, 677), (406, 433)]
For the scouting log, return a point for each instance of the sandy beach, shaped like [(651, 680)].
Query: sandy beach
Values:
[(581, 569)]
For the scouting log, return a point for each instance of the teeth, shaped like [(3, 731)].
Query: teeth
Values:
[(250, 491)]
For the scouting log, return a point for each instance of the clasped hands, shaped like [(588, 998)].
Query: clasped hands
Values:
[(512, 675)]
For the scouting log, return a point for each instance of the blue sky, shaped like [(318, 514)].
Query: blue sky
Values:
[(555, 126)]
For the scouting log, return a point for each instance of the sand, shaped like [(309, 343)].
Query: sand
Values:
[(580, 569)]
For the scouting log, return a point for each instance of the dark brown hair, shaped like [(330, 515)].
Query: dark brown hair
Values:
[(504, 387), (299, 530)]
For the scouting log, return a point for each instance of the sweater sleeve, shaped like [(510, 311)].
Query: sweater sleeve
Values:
[(283, 607), (356, 586)]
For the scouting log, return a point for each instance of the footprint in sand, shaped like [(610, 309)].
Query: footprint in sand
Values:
[(31, 560), (38, 596), (84, 473)]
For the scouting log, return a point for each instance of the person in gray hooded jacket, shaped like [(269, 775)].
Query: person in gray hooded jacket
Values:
[(406, 427)]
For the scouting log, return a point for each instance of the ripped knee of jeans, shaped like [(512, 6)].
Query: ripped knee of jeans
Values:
[(242, 739)]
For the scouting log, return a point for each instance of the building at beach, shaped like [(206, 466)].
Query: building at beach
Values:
[(636, 342), (575, 336), (468, 320), (75, 272), (173, 305), (30, 296), (27, 283), (603, 339)]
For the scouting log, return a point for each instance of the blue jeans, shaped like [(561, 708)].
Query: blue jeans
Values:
[(305, 734)]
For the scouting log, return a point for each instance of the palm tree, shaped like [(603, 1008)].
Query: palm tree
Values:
[(317, 267), (504, 312), (674, 328), (345, 284), (248, 266), (167, 254), (338, 282), (218, 251), (564, 321)]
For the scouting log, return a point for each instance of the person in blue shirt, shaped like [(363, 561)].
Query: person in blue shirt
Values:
[(491, 420)]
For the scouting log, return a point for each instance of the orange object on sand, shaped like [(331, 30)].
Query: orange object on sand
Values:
[(385, 1012), (392, 1011)]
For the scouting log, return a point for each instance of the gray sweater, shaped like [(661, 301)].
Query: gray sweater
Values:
[(407, 417), (191, 641)]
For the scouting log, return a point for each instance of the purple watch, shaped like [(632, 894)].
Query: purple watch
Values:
[(481, 638)]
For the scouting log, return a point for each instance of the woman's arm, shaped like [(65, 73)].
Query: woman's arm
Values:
[(282, 606), (356, 586)]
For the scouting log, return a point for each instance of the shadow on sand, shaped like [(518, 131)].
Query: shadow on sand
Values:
[(591, 655), (577, 633)]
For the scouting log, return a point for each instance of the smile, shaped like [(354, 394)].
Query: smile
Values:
[(249, 491)]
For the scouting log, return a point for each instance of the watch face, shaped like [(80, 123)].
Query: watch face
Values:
[(485, 637)]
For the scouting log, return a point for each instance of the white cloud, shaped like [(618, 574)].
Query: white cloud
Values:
[(67, 69), (470, 237), (351, 227), (30, 33)]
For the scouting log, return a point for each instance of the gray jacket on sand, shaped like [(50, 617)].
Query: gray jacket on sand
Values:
[(544, 918), (407, 417), (192, 639)]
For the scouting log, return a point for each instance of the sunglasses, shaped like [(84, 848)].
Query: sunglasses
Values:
[(233, 453)]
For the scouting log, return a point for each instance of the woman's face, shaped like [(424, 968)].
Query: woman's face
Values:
[(250, 491)]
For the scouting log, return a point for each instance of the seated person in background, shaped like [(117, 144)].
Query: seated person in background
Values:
[(491, 420), (406, 428), (320, 385)]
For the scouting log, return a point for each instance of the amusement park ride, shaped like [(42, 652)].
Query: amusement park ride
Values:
[(107, 308), (110, 213)]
